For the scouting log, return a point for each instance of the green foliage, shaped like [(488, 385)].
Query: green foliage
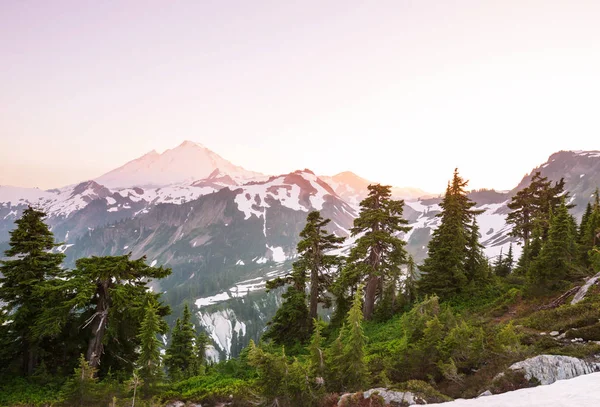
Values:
[(24, 279), (279, 381), (292, 322), (183, 357), (377, 255), (82, 388), (149, 359), (555, 261), (455, 258)]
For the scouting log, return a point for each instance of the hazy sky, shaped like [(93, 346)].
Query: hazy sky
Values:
[(397, 91)]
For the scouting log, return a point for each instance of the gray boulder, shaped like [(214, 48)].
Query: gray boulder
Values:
[(549, 368)]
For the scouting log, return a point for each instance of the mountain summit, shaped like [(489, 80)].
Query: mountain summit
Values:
[(187, 162)]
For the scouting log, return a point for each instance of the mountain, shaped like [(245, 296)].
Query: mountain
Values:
[(580, 170), (224, 236), (184, 164), (353, 188)]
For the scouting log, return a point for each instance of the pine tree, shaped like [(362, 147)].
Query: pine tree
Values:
[(589, 231), (109, 296), (293, 319), (200, 346), (180, 358), (149, 362), (291, 323), (351, 362), (533, 205), (510, 260), (410, 282), (317, 359), (454, 253), (554, 262), (82, 389), (312, 249), (378, 254), (31, 265)]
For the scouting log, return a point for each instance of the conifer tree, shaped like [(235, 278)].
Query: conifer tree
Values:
[(109, 291), (410, 282), (149, 362), (554, 262), (31, 265), (82, 388), (589, 231), (315, 261), (349, 350), (180, 358), (292, 321), (533, 205), (454, 253), (378, 254), (317, 359)]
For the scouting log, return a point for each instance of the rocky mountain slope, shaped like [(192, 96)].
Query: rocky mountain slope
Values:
[(224, 235)]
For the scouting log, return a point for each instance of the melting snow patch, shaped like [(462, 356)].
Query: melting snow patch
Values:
[(153, 263), (278, 254), (239, 263)]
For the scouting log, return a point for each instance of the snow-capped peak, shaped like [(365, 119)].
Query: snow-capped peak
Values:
[(185, 163)]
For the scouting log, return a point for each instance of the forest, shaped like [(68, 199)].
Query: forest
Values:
[(96, 335)]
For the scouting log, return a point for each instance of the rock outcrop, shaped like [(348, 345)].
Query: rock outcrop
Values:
[(549, 368)]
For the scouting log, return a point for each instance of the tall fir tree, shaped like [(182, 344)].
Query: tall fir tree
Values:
[(349, 350), (30, 266), (555, 260), (109, 295), (379, 252), (149, 360), (589, 231), (291, 323), (315, 266), (454, 253), (180, 358), (533, 205)]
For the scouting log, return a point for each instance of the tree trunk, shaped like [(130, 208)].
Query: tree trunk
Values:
[(370, 292), (314, 293), (98, 326)]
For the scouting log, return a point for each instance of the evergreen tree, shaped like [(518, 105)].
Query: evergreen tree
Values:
[(350, 362), (314, 261), (378, 254), (476, 264), (30, 266), (109, 295), (510, 260), (149, 359), (589, 231), (82, 388), (410, 282), (533, 205), (504, 265), (555, 259), (454, 253), (292, 321), (180, 358), (317, 360), (200, 347)]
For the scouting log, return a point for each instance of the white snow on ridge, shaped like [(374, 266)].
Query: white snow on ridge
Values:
[(582, 391), (254, 196)]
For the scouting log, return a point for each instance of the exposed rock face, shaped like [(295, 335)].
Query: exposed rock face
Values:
[(580, 295), (396, 397), (549, 368)]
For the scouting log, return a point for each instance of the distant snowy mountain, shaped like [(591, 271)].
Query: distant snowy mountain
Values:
[(353, 188), (224, 231), (186, 163)]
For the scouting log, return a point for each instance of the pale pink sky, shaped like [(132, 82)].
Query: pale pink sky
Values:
[(397, 91)]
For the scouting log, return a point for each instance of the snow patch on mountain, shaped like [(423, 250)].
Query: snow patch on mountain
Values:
[(220, 326)]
